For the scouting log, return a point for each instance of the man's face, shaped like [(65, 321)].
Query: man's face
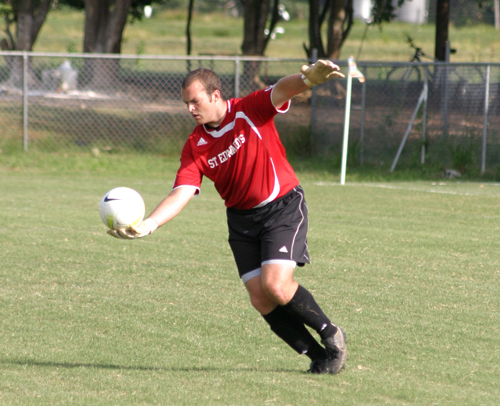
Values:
[(201, 106)]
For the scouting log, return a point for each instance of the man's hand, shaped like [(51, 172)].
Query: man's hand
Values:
[(142, 229), (320, 72)]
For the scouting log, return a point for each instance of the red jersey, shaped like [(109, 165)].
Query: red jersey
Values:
[(244, 156)]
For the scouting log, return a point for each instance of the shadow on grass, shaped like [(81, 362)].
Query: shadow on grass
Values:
[(70, 365)]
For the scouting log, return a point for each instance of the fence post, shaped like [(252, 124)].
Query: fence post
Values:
[(313, 102), (485, 117), (424, 118), (25, 100), (444, 102), (363, 108), (236, 77)]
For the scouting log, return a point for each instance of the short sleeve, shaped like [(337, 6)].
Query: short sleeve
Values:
[(188, 173), (260, 106)]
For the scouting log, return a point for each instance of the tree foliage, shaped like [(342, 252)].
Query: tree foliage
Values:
[(384, 11)]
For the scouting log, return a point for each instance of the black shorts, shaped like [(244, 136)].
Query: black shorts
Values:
[(276, 232)]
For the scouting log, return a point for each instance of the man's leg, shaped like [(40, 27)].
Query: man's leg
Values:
[(284, 323), (279, 285)]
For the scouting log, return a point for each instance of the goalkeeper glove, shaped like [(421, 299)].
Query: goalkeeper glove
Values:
[(142, 229), (320, 72)]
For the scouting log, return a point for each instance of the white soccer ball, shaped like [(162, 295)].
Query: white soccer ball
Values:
[(121, 207)]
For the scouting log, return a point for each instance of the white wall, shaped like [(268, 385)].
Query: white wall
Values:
[(412, 11)]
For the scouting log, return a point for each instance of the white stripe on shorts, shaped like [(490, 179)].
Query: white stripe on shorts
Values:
[(250, 275), (301, 221), (256, 272), (293, 264)]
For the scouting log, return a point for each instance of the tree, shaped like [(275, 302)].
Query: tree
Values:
[(340, 20), (442, 23), (259, 21), (256, 14), (29, 16), (105, 22), (188, 27)]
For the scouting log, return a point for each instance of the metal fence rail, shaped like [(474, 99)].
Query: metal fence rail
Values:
[(132, 103), (409, 114)]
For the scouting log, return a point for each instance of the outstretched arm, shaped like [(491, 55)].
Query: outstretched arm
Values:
[(311, 75), (168, 208), (172, 205)]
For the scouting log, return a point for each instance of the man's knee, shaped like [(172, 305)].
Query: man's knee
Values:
[(278, 284), (262, 303), (278, 291), (258, 297)]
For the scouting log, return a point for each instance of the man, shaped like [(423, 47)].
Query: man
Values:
[(236, 145)]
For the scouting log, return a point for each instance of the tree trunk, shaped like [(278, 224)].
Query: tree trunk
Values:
[(315, 22), (442, 22), (255, 13), (188, 27), (104, 24), (188, 33), (339, 25), (30, 18)]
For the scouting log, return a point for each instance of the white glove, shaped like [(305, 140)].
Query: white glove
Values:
[(142, 229), (320, 72)]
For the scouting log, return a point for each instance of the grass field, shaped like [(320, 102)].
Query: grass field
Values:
[(164, 34), (409, 269)]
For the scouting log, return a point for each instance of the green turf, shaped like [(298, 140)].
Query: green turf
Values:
[(409, 269)]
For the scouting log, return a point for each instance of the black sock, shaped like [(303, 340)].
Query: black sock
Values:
[(308, 311), (290, 329)]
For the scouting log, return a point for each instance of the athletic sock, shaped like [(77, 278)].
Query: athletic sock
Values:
[(308, 311), (292, 331)]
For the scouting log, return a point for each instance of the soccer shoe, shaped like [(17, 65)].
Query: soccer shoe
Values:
[(320, 366), (336, 351)]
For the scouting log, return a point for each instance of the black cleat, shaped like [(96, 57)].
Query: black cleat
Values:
[(336, 351), (320, 366)]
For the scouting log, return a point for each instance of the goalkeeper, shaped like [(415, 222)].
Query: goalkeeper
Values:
[(237, 146)]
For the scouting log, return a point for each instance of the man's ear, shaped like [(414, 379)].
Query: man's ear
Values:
[(216, 96)]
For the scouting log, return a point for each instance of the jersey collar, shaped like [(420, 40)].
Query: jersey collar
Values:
[(222, 128)]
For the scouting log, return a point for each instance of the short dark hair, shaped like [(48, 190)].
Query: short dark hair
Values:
[(209, 79)]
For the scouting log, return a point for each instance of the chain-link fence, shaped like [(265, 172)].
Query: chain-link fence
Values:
[(111, 103), (408, 114), (405, 114)]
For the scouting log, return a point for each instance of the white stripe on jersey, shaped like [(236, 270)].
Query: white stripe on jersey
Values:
[(230, 126), (276, 189)]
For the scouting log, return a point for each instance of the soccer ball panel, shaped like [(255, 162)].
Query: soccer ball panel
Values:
[(121, 207)]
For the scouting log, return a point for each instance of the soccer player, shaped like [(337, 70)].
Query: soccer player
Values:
[(237, 146)]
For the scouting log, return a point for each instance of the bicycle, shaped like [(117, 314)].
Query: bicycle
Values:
[(411, 73)]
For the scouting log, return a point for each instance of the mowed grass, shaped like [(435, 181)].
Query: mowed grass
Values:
[(409, 269)]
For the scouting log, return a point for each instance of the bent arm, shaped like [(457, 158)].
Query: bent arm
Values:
[(172, 205), (287, 88), (312, 75)]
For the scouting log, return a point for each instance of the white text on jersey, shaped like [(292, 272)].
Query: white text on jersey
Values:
[(228, 153)]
